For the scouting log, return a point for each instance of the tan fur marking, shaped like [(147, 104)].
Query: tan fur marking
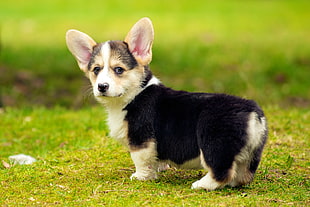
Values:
[(98, 62), (147, 144), (242, 175)]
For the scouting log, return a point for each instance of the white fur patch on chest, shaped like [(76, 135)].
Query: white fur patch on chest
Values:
[(117, 124), (116, 115)]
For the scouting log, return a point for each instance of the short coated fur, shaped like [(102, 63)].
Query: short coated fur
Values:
[(221, 133)]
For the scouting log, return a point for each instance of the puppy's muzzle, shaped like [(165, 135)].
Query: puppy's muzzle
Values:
[(103, 87)]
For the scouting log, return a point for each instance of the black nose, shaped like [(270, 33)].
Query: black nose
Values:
[(103, 87)]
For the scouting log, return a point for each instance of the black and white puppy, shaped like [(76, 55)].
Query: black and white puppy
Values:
[(221, 133)]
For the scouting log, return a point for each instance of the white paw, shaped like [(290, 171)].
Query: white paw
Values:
[(197, 185), (140, 176), (207, 182)]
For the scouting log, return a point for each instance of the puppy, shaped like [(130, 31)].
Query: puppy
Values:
[(220, 133)]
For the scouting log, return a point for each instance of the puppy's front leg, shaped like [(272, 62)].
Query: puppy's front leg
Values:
[(145, 159)]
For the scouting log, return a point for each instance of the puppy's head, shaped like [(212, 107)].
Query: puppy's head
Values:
[(115, 68)]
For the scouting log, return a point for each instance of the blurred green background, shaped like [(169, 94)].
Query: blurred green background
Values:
[(254, 49)]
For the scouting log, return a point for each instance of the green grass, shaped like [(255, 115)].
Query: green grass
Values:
[(78, 165)]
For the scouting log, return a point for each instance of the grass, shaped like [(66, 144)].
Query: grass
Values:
[(79, 165), (255, 49)]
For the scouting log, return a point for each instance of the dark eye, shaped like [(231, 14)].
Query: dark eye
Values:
[(96, 70), (119, 70)]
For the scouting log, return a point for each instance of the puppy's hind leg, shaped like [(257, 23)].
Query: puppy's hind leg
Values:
[(210, 181), (145, 160), (243, 175)]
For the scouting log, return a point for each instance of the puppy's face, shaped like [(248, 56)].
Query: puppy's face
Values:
[(114, 68)]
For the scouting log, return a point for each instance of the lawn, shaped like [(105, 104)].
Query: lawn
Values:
[(78, 165), (254, 49)]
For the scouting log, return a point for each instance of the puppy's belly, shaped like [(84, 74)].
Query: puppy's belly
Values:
[(190, 164)]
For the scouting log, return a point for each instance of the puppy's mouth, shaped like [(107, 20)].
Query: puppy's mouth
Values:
[(105, 95)]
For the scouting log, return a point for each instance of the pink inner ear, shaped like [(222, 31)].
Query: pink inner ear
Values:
[(140, 46), (85, 55)]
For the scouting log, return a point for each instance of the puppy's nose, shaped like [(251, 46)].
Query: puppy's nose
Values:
[(103, 87)]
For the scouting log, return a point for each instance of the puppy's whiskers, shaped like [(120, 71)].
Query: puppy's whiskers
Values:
[(87, 92)]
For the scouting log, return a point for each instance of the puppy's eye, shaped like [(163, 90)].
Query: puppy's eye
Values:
[(96, 70), (119, 70)]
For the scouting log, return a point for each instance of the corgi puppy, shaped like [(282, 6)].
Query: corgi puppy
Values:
[(220, 133)]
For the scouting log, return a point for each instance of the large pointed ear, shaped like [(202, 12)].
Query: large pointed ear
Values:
[(81, 46), (140, 39)]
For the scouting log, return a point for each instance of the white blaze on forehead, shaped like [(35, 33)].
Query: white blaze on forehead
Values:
[(106, 54), (103, 76)]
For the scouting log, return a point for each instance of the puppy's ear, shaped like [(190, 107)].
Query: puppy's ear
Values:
[(81, 46), (140, 39)]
